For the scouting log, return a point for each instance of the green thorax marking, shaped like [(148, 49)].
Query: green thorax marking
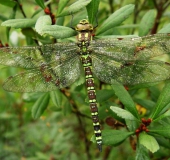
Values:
[(85, 30)]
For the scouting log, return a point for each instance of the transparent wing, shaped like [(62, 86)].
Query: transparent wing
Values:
[(46, 78), (130, 72), (140, 48), (32, 57)]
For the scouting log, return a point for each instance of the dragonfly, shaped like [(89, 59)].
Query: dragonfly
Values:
[(129, 61)]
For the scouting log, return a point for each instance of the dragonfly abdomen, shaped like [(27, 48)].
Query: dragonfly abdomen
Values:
[(87, 64), (84, 38)]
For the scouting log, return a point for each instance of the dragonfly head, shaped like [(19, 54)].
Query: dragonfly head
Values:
[(83, 26)]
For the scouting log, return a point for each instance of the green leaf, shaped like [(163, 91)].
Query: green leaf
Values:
[(116, 18), (104, 95), (92, 9), (56, 98), (8, 3), (41, 22), (43, 26), (123, 113), (3, 18), (163, 131), (163, 141), (40, 105), (40, 3), (19, 23), (62, 4), (166, 114), (163, 101), (79, 97), (125, 98), (145, 102), (66, 107), (165, 29), (147, 22), (75, 7), (149, 142), (113, 137), (29, 32), (141, 153), (31, 97)]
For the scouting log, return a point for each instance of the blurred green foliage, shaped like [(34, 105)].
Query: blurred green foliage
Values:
[(65, 128)]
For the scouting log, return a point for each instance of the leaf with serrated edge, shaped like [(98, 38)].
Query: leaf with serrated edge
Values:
[(123, 113), (149, 142)]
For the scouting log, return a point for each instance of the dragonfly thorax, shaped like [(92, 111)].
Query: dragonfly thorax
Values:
[(84, 26)]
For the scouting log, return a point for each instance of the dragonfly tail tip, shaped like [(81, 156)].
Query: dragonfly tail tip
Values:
[(99, 147)]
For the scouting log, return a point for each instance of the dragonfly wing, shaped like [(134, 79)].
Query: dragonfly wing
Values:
[(32, 57), (133, 48), (46, 78), (130, 72)]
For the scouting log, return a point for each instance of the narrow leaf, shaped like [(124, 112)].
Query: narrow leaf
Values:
[(163, 131), (92, 9), (163, 141), (147, 22), (19, 23), (3, 18), (141, 153), (116, 18), (165, 29), (125, 98), (56, 98), (31, 97), (163, 101), (166, 114), (40, 105), (149, 142), (58, 31), (41, 22), (75, 7), (104, 95), (62, 4), (113, 137), (43, 26), (40, 3), (123, 113), (8, 3)]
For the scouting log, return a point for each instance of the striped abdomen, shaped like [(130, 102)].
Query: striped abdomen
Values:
[(84, 39)]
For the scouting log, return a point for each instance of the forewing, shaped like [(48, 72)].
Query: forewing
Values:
[(140, 48), (32, 57), (130, 72), (45, 78)]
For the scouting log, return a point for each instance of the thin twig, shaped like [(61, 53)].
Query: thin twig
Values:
[(22, 11)]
